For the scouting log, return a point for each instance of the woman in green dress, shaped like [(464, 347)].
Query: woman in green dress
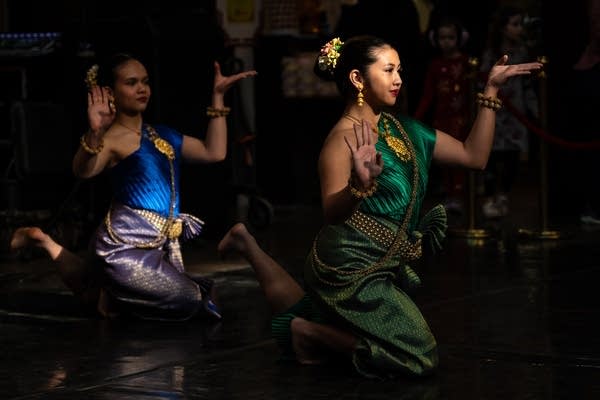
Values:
[(373, 170)]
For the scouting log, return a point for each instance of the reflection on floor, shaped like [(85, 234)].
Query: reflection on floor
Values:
[(515, 318)]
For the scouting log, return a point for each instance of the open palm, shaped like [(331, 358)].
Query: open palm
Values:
[(100, 115), (367, 163), (223, 83), (501, 71)]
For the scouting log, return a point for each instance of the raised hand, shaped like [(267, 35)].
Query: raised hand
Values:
[(367, 163), (223, 83), (100, 113), (501, 71)]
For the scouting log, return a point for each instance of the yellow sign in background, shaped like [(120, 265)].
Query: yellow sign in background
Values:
[(240, 10)]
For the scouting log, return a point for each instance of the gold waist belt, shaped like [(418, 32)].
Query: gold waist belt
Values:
[(171, 228), (372, 228), (380, 233)]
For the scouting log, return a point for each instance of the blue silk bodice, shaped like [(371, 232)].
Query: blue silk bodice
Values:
[(142, 180)]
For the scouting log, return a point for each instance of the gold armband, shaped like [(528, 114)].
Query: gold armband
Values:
[(490, 102), (89, 149), (217, 112)]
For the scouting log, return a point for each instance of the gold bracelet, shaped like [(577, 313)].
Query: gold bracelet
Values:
[(360, 194), (217, 112), (490, 102), (88, 149)]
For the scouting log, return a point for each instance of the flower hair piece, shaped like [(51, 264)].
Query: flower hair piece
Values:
[(91, 77), (329, 55)]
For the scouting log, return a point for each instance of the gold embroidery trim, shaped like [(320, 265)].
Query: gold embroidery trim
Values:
[(172, 227), (400, 243)]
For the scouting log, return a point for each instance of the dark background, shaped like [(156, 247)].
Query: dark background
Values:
[(178, 42)]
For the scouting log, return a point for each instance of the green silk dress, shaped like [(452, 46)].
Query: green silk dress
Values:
[(357, 274)]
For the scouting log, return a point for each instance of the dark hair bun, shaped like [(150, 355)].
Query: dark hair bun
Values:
[(324, 74)]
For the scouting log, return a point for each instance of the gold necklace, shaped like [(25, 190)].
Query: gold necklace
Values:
[(161, 144), (396, 144), (131, 129), (357, 121)]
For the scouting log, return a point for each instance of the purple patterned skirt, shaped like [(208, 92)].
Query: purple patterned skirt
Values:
[(143, 268)]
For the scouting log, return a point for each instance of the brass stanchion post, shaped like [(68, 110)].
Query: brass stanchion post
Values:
[(470, 232), (543, 232)]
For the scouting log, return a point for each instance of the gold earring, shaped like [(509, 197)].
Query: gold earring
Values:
[(111, 104), (360, 97)]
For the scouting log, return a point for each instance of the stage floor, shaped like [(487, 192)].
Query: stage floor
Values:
[(515, 318)]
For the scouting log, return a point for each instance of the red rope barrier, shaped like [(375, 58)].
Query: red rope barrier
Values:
[(590, 145)]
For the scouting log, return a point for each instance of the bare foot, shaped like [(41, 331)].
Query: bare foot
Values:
[(34, 236), (27, 236), (235, 240), (307, 351)]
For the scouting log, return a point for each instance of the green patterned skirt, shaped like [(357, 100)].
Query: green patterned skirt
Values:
[(355, 284)]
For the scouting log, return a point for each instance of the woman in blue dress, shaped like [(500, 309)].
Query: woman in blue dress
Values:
[(136, 266)]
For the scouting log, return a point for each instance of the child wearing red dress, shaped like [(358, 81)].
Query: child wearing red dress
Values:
[(446, 98)]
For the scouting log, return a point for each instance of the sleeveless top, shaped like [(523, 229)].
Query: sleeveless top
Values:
[(142, 180), (395, 182)]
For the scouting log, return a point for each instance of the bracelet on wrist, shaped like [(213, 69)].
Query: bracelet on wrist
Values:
[(488, 101), (214, 112), (88, 149), (359, 194)]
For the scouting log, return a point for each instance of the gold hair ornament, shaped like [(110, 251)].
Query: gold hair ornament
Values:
[(329, 55), (91, 77)]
